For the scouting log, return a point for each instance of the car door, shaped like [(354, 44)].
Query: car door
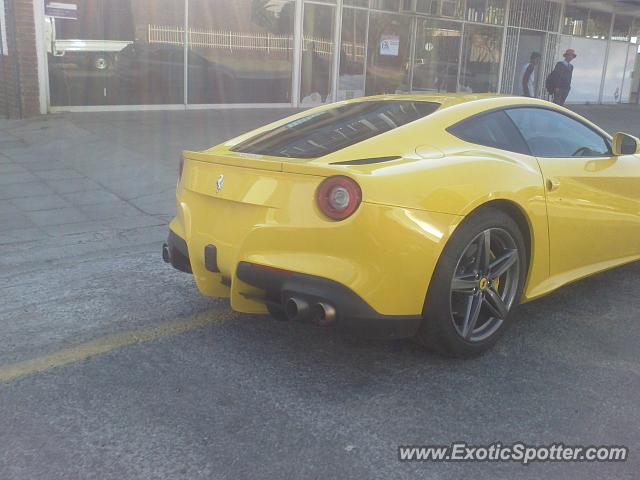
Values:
[(593, 197)]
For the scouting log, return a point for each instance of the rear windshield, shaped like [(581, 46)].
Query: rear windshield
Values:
[(325, 132)]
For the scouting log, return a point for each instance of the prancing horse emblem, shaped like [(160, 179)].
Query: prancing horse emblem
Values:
[(219, 183)]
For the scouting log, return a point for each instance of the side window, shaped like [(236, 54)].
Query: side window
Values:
[(552, 134), (491, 130)]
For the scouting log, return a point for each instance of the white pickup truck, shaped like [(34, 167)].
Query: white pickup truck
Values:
[(101, 52)]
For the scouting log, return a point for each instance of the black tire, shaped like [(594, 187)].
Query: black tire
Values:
[(277, 312), (438, 331)]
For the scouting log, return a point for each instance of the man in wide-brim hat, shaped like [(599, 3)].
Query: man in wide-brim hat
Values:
[(561, 77)]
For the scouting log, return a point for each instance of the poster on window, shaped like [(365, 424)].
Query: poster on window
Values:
[(390, 45), (61, 10)]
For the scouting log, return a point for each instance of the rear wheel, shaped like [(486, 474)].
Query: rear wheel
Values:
[(477, 284)]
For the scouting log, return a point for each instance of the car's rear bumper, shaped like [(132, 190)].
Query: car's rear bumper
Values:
[(353, 313)]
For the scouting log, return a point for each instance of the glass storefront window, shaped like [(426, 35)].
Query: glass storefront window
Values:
[(390, 5), (240, 51), (441, 8), (109, 56), (486, 11), (575, 21), (615, 72), (138, 52), (352, 54), (437, 52), (480, 59), (621, 28), (356, 3), (598, 25), (388, 54), (317, 54)]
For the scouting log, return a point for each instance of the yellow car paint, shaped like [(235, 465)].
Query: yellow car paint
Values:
[(586, 221)]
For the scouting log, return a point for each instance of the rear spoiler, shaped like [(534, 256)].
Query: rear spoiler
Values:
[(263, 162)]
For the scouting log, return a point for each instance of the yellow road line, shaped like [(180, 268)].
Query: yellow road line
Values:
[(109, 343)]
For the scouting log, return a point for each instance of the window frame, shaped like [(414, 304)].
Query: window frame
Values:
[(604, 135), (477, 116), (601, 133)]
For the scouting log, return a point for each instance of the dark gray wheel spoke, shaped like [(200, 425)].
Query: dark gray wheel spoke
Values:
[(471, 315), (464, 283), (484, 251), (495, 304), (501, 265)]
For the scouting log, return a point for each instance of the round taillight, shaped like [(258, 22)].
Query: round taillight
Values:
[(338, 197), (180, 167)]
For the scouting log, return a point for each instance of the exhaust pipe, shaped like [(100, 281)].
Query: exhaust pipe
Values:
[(296, 309), (166, 253), (323, 314)]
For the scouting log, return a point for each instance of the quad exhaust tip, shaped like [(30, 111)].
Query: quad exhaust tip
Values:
[(299, 310), (296, 309), (323, 314)]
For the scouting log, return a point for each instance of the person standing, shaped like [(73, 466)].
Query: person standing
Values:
[(560, 78), (528, 75)]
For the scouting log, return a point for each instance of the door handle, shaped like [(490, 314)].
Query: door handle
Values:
[(552, 184)]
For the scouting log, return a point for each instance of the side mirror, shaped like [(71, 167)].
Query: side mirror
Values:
[(624, 144)]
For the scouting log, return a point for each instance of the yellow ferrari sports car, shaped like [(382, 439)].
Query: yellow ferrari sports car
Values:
[(425, 216)]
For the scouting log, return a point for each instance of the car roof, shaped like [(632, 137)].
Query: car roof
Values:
[(459, 106), (454, 108), (452, 99)]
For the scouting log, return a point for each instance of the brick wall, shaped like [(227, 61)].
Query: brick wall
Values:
[(19, 90)]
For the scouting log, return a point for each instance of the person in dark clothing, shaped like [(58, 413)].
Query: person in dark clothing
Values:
[(528, 75), (563, 74)]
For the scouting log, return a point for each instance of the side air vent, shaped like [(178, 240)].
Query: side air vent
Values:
[(367, 161)]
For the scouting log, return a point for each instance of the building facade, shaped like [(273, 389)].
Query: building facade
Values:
[(177, 54)]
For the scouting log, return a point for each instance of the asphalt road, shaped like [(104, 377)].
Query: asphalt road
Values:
[(113, 366)]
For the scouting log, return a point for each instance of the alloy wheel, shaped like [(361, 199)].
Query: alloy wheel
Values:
[(484, 284)]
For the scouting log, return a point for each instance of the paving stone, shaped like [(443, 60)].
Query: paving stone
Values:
[(9, 167), (157, 204), (116, 224), (20, 190), (16, 178), (12, 220), (44, 202), (91, 197), (40, 165), (18, 235), (58, 216), (59, 174), (104, 211), (74, 185), (11, 143)]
